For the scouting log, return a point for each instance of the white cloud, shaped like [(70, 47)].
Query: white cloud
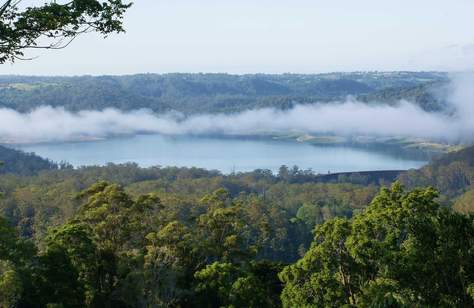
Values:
[(48, 124)]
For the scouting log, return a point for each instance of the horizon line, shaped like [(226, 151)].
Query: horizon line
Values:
[(240, 74)]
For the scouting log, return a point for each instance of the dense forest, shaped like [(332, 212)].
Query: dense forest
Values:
[(430, 96), (452, 175), (18, 162), (212, 93), (124, 236)]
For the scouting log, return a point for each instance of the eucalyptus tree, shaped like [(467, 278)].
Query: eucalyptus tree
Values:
[(54, 24), (404, 249)]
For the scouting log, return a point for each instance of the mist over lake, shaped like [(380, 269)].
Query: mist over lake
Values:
[(223, 154), (236, 154)]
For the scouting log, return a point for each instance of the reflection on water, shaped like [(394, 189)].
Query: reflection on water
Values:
[(222, 154)]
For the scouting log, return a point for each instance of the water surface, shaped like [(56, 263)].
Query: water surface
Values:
[(221, 154)]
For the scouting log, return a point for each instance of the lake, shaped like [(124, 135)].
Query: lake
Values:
[(224, 154)]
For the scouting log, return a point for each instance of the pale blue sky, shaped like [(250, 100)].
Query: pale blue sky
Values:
[(248, 36)]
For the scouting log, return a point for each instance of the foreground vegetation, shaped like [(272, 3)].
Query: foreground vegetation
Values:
[(124, 236), (404, 249)]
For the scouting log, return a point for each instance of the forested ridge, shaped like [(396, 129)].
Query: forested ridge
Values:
[(212, 93), (18, 162), (452, 174), (124, 236)]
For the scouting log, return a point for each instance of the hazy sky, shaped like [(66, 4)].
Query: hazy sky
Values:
[(272, 36)]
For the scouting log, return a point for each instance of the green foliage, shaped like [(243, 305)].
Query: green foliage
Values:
[(168, 264), (228, 285), (11, 286), (179, 237), (199, 93), (315, 214), (7, 239), (22, 28), (118, 225), (465, 203), (215, 282), (17, 267), (116, 220), (452, 174), (404, 249), (74, 241), (57, 279), (18, 162), (263, 203), (321, 277), (223, 229), (430, 96)]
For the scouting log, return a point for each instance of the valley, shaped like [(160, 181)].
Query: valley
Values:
[(228, 154)]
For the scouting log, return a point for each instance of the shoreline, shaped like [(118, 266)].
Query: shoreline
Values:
[(405, 147)]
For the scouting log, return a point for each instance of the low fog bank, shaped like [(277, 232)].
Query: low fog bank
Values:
[(48, 124)]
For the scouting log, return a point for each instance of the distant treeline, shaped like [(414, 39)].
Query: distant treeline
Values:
[(18, 162), (211, 93), (452, 175)]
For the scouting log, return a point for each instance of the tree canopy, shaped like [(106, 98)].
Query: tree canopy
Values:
[(54, 24), (404, 250), (148, 250)]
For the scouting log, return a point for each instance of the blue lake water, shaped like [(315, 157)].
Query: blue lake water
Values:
[(221, 154)]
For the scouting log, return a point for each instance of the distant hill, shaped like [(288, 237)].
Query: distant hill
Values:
[(18, 162), (452, 174), (206, 93), (430, 96)]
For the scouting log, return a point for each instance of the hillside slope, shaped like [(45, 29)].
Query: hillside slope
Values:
[(452, 174), (200, 93), (18, 162), (429, 96)]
